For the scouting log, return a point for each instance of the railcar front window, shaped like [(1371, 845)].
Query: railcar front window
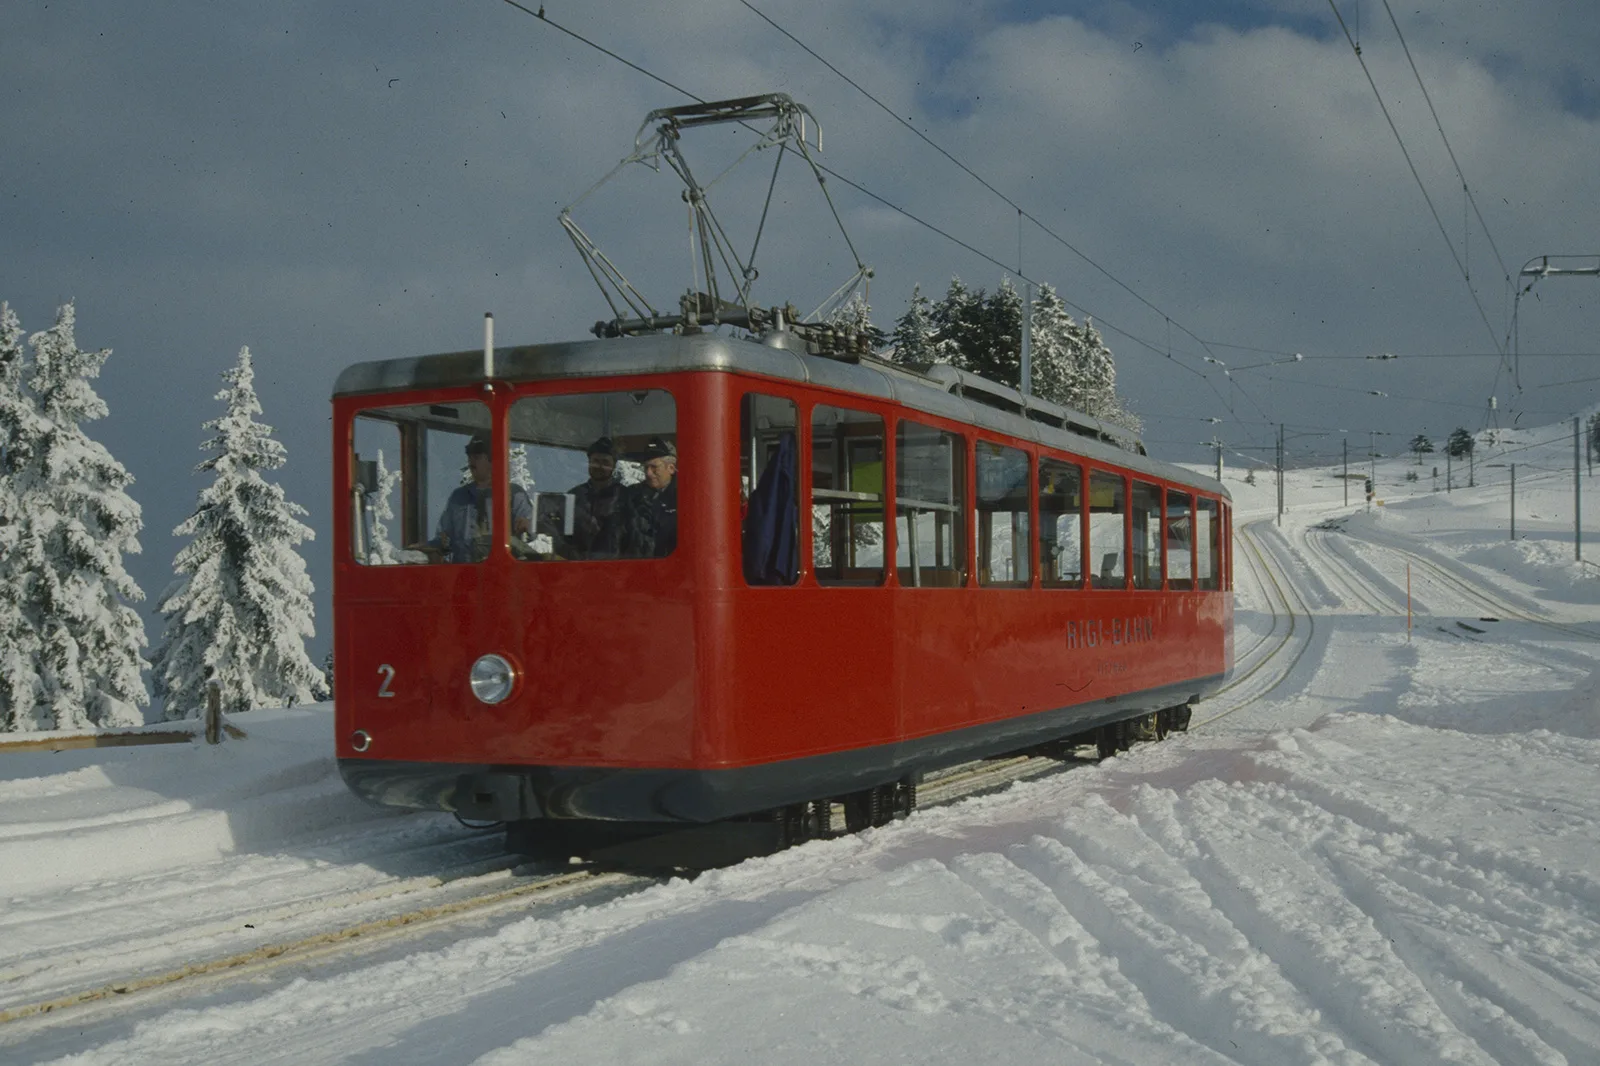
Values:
[(930, 490), (419, 491), (847, 496), (600, 473), (769, 488), (1180, 541), (1146, 535), (1108, 506), (1208, 544), (1060, 524), (1004, 539)]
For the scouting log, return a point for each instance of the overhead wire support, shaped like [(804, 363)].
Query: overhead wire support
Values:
[(863, 271)]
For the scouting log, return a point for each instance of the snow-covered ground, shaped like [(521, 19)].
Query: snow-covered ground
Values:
[(1377, 846)]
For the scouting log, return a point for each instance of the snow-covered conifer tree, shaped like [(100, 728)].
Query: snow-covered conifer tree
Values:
[(242, 614), (76, 522), (954, 323), (913, 337), (380, 550), (20, 427), (1054, 350), (520, 474), (1099, 376)]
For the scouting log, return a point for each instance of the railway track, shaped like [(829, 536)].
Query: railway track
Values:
[(1479, 599), (409, 909), (412, 907), (1258, 673)]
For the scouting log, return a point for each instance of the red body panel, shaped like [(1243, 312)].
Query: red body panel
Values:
[(676, 663)]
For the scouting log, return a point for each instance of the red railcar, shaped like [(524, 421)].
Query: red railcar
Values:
[(876, 572)]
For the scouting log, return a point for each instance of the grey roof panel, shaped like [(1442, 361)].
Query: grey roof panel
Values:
[(772, 357)]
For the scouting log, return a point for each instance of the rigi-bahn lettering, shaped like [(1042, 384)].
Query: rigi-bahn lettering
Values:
[(1093, 632)]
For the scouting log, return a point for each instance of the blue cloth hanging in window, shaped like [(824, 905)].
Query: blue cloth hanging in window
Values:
[(771, 545)]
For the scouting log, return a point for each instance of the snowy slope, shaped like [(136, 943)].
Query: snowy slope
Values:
[(1377, 846)]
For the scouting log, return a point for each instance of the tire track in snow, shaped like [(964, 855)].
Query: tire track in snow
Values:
[(1122, 887), (1252, 859), (1092, 979), (1480, 994)]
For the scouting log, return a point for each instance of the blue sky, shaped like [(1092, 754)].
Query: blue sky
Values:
[(329, 184)]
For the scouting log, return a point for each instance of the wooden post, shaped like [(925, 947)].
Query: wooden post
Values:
[(213, 713)]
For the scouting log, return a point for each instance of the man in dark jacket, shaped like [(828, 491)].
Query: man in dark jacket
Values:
[(595, 528), (650, 508)]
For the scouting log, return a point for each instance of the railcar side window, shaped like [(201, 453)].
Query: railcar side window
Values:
[(600, 473), (1108, 555), (847, 496), (930, 491), (769, 487), (1208, 544), (1060, 524), (1004, 540), (1180, 541), (415, 494), (1146, 535)]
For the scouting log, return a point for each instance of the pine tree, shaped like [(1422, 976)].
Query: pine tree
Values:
[(1421, 445), (76, 522), (20, 429), (954, 324), (913, 338), (381, 551), (1460, 444), (520, 474), (242, 615), (1054, 350)]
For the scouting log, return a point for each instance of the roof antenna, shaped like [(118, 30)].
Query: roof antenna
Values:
[(488, 350)]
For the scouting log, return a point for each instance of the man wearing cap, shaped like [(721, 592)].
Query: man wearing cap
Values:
[(595, 533), (464, 533), (650, 508)]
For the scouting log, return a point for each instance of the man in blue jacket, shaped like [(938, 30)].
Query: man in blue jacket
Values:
[(464, 533)]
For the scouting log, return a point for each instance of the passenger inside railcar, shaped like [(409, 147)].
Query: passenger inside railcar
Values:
[(464, 531), (596, 522), (649, 521)]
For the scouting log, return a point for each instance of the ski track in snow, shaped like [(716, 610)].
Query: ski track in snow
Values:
[(1388, 859)]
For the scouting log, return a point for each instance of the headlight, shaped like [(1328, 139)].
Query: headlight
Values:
[(492, 679)]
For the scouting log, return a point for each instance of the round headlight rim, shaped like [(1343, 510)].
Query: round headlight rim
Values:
[(479, 682)]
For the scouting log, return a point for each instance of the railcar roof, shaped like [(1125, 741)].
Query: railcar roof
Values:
[(769, 357)]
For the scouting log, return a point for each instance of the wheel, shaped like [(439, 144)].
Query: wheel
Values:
[(1147, 727), (1105, 741)]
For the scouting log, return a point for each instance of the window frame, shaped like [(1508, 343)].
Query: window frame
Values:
[(810, 490), (1029, 512), (1120, 477), (1076, 466), (960, 523)]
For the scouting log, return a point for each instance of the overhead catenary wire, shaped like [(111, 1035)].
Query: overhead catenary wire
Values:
[(1505, 271), (1460, 266), (1021, 211)]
